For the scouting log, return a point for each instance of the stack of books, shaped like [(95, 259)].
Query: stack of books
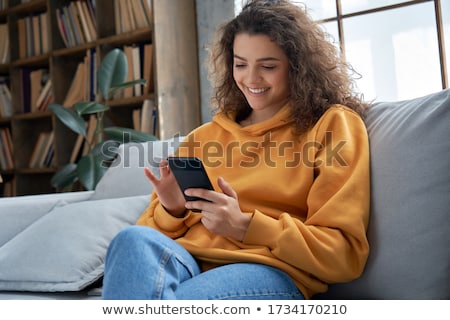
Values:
[(43, 151), (76, 22), (33, 35), (130, 15)]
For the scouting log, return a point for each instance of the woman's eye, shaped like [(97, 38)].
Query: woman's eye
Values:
[(269, 67), (239, 65)]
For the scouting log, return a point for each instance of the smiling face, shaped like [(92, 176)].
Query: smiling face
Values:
[(261, 71)]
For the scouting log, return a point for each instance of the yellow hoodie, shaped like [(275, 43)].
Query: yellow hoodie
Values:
[(308, 196)]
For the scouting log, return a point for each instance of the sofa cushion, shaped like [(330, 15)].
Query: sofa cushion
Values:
[(64, 249), (410, 203), (17, 213), (125, 177)]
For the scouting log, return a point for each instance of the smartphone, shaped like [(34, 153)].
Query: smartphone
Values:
[(189, 173)]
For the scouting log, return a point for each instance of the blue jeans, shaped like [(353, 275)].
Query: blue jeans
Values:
[(142, 263)]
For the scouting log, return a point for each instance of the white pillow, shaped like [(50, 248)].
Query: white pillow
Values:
[(125, 177), (64, 250)]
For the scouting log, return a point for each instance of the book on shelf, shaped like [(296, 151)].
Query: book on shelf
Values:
[(32, 82), (6, 150), (38, 79), (4, 43), (139, 14), (140, 66), (42, 151), (29, 38), (147, 5), (6, 108), (147, 72), (91, 64), (45, 47), (45, 96), (72, 13), (89, 7), (22, 37), (144, 119), (77, 148), (90, 135), (136, 66), (62, 28), (75, 7), (128, 92), (36, 33), (77, 88)]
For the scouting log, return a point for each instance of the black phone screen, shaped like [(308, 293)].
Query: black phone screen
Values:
[(189, 173)]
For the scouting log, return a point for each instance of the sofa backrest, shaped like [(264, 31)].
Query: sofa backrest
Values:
[(409, 230)]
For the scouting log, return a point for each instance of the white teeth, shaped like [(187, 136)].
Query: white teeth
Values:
[(257, 90)]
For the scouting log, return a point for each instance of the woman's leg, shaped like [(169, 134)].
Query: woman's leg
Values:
[(142, 263), (239, 281)]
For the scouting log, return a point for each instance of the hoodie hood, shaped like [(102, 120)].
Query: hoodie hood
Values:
[(280, 119)]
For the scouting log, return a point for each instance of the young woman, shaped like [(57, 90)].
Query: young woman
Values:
[(287, 152)]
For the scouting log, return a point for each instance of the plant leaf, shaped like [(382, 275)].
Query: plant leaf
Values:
[(112, 91), (124, 135), (89, 107), (65, 176), (112, 71), (90, 170), (70, 118)]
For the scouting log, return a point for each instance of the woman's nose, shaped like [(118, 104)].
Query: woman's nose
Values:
[(253, 75)]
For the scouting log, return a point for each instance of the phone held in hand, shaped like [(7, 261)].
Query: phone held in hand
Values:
[(189, 173)]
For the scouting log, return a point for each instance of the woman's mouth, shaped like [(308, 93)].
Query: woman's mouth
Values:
[(257, 90)]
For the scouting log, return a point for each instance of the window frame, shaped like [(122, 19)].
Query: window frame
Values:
[(340, 17)]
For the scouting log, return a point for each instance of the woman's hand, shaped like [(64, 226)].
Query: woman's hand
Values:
[(167, 189), (222, 215)]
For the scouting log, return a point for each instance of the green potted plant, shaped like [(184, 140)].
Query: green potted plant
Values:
[(89, 169)]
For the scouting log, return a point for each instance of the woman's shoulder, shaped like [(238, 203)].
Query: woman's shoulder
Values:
[(339, 111), (338, 116)]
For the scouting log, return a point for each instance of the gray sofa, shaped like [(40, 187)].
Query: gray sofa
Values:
[(53, 246)]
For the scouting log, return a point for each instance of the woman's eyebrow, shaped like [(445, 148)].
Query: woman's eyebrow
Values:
[(259, 60)]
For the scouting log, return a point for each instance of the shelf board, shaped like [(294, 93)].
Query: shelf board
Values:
[(40, 60), (130, 102), (36, 170), (32, 115), (34, 5), (139, 35), (74, 50)]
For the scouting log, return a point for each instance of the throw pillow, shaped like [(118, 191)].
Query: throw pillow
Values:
[(125, 177), (64, 250)]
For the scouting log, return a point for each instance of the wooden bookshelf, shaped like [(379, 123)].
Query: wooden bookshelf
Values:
[(171, 31)]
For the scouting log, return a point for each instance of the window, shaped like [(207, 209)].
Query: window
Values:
[(401, 49)]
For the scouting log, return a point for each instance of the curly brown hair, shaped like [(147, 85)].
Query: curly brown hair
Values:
[(319, 77)]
